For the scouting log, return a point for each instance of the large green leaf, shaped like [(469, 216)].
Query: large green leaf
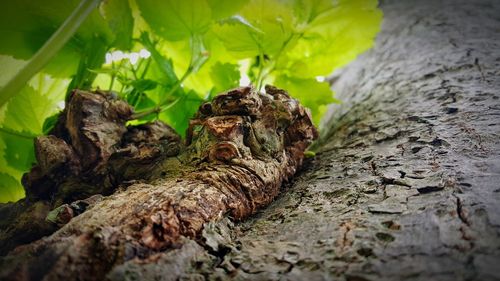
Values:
[(119, 17), (261, 28), (311, 93), (10, 188), (225, 8), (333, 37), (17, 150), (225, 76), (29, 24), (28, 110), (23, 119), (307, 11), (176, 20)]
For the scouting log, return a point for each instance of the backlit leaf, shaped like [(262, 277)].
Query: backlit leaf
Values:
[(225, 76), (270, 25), (118, 15), (311, 93), (29, 24), (225, 8), (10, 188), (176, 20)]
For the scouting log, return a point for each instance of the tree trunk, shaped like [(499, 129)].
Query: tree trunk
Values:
[(405, 183)]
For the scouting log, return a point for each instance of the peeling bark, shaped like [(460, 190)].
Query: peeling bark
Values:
[(241, 148)]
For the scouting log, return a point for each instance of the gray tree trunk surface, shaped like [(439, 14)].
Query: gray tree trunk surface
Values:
[(405, 184)]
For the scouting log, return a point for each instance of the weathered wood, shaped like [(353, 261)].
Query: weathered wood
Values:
[(90, 151), (242, 147)]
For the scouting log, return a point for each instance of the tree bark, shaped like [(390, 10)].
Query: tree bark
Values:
[(240, 148), (404, 185), (406, 181)]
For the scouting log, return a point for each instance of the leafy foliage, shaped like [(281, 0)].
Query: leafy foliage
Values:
[(28, 24), (167, 57), (176, 20)]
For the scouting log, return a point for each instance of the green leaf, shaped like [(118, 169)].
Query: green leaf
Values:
[(37, 101), (307, 11), (179, 114), (311, 93), (142, 85), (50, 123), (119, 17), (263, 27), (10, 66), (27, 115), (29, 24), (28, 110), (333, 37), (225, 76), (164, 65), (52, 88), (18, 151), (144, 102), (180, 53), (136, 96), (10, 188), (176, 20), (225, 8)]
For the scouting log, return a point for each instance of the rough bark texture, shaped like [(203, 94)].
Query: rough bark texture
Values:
[(240, 148), (405, 184), (90, 151)]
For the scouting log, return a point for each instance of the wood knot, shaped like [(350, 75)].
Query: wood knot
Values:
[(224, 151), (205, 108), (225, 127), (240, 101)]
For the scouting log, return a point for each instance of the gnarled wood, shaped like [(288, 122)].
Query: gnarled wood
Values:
[(242, 147)]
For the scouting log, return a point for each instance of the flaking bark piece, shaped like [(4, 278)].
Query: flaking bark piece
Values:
[(240, 101), (96, 123), (52, 152), (150, 140)]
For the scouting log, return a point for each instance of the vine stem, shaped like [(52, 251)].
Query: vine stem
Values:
[(194, 64), (163, 106), (48, 50)]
